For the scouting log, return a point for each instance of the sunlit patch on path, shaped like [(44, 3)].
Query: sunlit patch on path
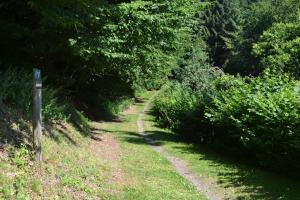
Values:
[(107, 147)]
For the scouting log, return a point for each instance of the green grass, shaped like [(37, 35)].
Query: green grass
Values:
[(148, 175), (230, 176), (76, 167), (70, 170)]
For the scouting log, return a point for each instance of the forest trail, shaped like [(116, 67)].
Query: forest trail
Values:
[(140, 170), (215, 175), (148, 168), (178, 164), (153, 163)]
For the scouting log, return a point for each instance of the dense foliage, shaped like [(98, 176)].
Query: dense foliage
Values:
[(261, 116), (102, 53), (256, 114), (15, 92), (279, 48), (257, 17), (180, 105), (221, 25), (99, 53), (79, 43)]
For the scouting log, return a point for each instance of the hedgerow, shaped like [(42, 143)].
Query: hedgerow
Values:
[(259, 116)]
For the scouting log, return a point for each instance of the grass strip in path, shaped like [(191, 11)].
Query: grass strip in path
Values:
[(146, 173), (178, 164)]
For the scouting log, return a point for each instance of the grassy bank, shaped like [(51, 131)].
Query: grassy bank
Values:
[(115, 162), (71, 169)]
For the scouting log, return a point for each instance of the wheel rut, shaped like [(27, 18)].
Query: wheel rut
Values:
[(178, 164)]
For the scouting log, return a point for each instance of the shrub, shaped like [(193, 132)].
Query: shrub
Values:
[(53, 108), (279, 48), (112, 108), (173, 106), (16, 92), (180, 105), (16, 89), (261, 115)]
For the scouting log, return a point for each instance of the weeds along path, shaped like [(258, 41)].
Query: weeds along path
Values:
[(178, 164)]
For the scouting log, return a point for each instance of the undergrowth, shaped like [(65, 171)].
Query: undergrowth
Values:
[(257, 117)]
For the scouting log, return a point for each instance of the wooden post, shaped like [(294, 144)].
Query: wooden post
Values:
[(37, 115)]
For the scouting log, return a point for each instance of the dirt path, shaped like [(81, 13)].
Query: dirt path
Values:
[(179, 165), (107, 147)]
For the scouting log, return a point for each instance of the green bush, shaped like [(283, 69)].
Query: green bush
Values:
[(173, 106), (16, 89), (16, 92), (113, 108), (279, 48), (258, 117), (180, 105), (53, 108), (261, 116), (79, 42)]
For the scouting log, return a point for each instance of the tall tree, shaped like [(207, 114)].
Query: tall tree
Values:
[(221, 26), (258, 16), (79, 42)]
